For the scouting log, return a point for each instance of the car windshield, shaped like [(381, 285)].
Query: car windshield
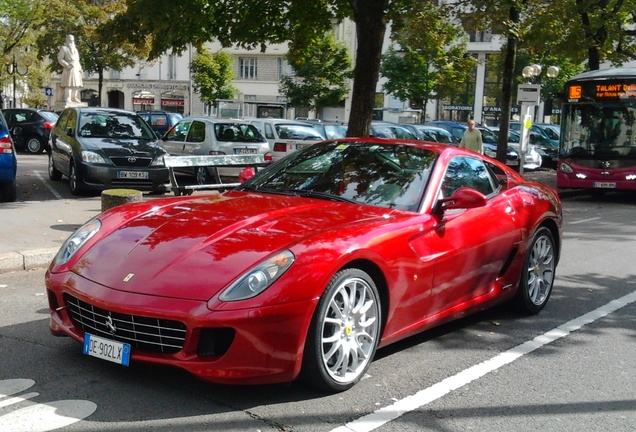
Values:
[(488, 136), (108, 124), (439, 135), (292, 131), (335, 131), (237, 132), (385, 175), (49, 116)]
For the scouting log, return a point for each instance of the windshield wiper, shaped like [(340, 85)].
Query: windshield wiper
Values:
[(309, 194)]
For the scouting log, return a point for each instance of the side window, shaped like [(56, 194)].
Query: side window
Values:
[(179, 132), (269, 132), (469, 172), (61, 122), (197, 132), (72, 120)]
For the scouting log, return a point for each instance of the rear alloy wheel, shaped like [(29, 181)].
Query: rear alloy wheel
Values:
[(54, 173), (537, 279), (34, 145), (344, 332)]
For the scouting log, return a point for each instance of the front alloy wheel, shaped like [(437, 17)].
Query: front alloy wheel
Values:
[(537, 279), (75, 180), (344, 333)]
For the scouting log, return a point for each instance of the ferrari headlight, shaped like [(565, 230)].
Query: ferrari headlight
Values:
[(76, 240), (259, 278)]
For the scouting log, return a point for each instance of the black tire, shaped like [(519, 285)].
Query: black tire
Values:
[(537, 279), (34, 145), (8, 191), (205, 175), (75, 180), (347, 321), (54, 173)]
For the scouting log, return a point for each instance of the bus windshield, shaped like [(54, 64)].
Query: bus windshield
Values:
[(600, 131)]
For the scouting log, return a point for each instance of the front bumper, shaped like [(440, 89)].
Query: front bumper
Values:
[(100, 177), (266, 344)]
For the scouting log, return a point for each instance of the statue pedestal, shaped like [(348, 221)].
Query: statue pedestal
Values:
[(71, 104)]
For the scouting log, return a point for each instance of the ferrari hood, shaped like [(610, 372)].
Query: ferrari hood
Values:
[(192, 249)]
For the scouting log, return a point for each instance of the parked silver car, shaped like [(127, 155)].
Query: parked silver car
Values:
[(214, 136), (287, 136)]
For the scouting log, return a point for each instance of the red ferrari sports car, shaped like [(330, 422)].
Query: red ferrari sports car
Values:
[(310, 266)]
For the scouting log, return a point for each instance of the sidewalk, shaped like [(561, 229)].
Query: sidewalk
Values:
[(30, 240)]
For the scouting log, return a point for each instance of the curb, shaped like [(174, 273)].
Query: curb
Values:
[(26, 260)]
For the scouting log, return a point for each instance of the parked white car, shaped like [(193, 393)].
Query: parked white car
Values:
[(286, 136), (214, 136)]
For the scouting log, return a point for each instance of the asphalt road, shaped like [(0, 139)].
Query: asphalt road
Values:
[(571, 368)]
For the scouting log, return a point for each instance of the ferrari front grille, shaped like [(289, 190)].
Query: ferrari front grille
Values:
[(141, 332)]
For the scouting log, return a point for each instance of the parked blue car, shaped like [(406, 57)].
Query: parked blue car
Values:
[(8, 164)]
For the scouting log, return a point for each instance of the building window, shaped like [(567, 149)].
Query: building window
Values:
[(283, 68), (481, 36), (172, 67), (114, 74), (248, 69)]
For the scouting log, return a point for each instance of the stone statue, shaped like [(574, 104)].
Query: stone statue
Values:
[(69, 58)]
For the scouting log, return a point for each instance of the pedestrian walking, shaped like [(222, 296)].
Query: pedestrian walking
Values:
[(472, 138)]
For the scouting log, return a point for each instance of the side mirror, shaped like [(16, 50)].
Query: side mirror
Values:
[(463, 198), (159, 135)]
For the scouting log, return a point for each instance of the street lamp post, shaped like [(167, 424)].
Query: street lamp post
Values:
[(13, 69)]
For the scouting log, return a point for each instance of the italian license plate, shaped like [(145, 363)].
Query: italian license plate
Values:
[(301, 146), (107, 349), (605, 185), (244, 151), (513, 163), (132, 174)]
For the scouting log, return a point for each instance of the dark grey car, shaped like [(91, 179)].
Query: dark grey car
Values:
[(103, 148)]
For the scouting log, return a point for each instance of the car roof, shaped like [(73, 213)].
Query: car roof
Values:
[(215, 119), (102, 110), (281, 120)]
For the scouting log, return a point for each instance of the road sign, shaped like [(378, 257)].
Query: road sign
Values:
[(529, 93), (48, 91)]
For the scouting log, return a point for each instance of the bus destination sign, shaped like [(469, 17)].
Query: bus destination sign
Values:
[(602, 91)]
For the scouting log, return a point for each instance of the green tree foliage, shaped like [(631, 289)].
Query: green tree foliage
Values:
[(253, 23), (212, 75), (85, 20), (321, 71), (595, 31), (20, 21), (431, 57)]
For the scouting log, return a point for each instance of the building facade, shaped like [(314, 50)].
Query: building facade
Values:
[(166, 84)]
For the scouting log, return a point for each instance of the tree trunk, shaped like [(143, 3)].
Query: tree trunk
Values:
[(506, 87), (591, 38), (369, 16), (100, 85)]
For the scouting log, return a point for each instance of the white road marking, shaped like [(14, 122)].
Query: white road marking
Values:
[(584, 220), (384, 415), (15, 400), (12, 386), (38, 417), (53, 191), (47, 417)]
